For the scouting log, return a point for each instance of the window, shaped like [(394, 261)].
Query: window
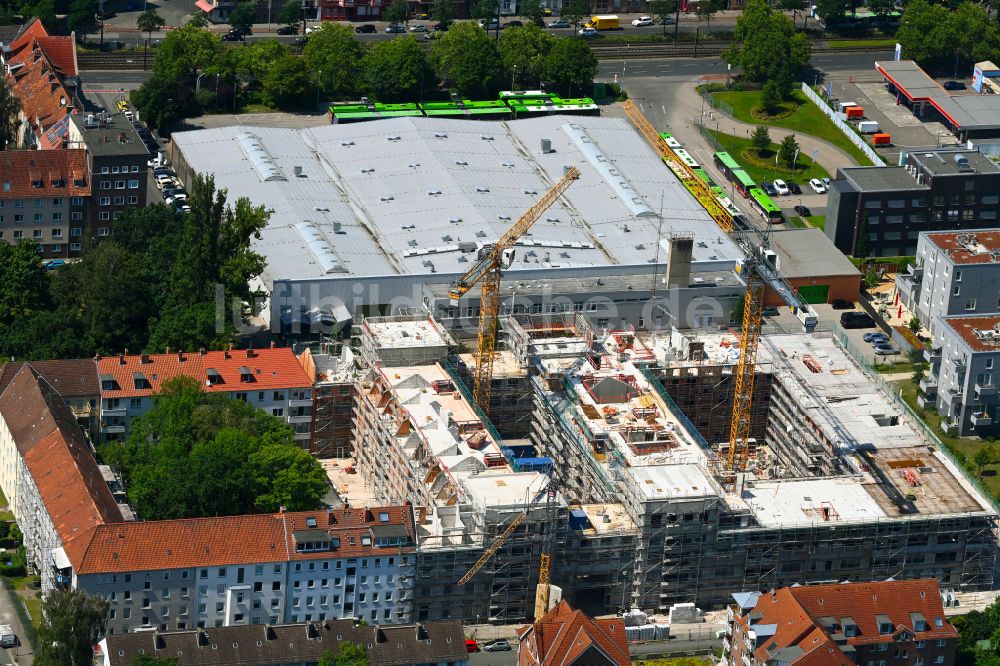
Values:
[(56, 247), (278, 411), (135, 403), (18, 219), (104, 215), (958, 276), (203, 573), (119, 184), (920, 644), (956, 291), (114, 169), (942, 642), (105, 184), (39, 203), (133, 184), (968, 214), (36, 233), (39, 217), (76, 201), (989, 364), (76, 216), (57, 233), (970, 304), (135, 168), (219, 606), (57, 217), (74, 247), (222, 572), (75, 231), (133, 199), (57, 201), (940, 658), (119, 201)]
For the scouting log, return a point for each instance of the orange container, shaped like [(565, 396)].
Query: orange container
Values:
[(854, 112), (881, 139)]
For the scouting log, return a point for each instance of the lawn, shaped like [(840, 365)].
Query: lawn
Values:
[(966, 446), (818, 221), (860, 43), (761, 169), (796, 222), (802, 116)]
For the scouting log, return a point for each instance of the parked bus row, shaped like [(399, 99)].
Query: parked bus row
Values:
[(743, 183), (511, 104)]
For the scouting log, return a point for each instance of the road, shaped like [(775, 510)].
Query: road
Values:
[(23, 653)]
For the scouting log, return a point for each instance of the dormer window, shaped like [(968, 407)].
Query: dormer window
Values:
[(383, 517), (213, 377), (140, 382), (108, 383), (885, 626), (246, 375)]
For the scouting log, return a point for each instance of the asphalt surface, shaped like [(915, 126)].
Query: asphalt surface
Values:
[(21, 654)]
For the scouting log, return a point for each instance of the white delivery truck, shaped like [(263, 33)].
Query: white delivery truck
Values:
[(8, 638), (868, 127)]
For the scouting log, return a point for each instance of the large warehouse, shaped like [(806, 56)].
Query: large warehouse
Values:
[(367, 216)]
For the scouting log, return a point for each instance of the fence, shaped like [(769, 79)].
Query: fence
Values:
[(715, 104), (843, 126)]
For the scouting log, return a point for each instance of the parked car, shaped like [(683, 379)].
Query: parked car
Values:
[(288, 30), (817, 186), (560, 23), (497, 646), (886, 349), (793, 187), (51, 265), (769, 189), (856, 319), (183, 208), (395, 29), (367, 28), (471, 645), (781, 187), (313, 28), (163, 179), (418, 27), (233, 36), (667, 20), (770, 312), (177, 199), (441, 27), (953, 85), (489, 24), (803, 211), (875, 338), (841, 304), (588, 32), (514, 24), (642, 21)]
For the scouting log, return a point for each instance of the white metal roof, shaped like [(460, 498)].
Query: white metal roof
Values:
[(420, 195)]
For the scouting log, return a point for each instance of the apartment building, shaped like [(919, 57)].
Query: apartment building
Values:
[(438, 643), (270, 379), (334, 397), (571, 638), (932, 189), (841, 624), (253, 569), (117, 158), (75, 380), (962, 380), (44, 198), (955, 273)]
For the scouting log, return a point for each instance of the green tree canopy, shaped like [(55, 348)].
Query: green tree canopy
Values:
[(149, 660), (334, 55), (44, 10), (706, 9), (243, 16), (575, 10), (767, 42), (787, 150), (396, 70), (533, 11), (467, 60), (10, 108), (760, 139), (443, 11), (290, 14), (523, 52), (23, 281), (254, 60), (287, 84), (149, 22), (570, 67), (397, 12), (184, 51), (71, 624), (205, 454), (82, 15), (771, 97), (661, 11)]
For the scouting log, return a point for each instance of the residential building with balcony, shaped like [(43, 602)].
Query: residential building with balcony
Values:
[(254, 569), (962, 379), (932, 189), (44, 198), (955, 273), (841, 624), (270, 379)]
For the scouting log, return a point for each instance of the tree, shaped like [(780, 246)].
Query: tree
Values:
[(766, 43), (862, 244), (793, 6), (770, 97), (923, 31), (661, 11), (914, 324), (23, 281), (872, 278), (574, 11), (286, 476), (396, 70), (760, 140), (43, 10), (290, 14), (72, 622), (832, 11), (467, 60), (199, 19), (350, 654), (149, 22), (983, 457), (183, 52), (162, 102), (83, 16), (706, 9), (533, 11), (788, 150), (149, 660), (523, 52), (287, 84), (570, 66), (397, 13), (335, 55), (242, 17), (443, 11), (255, 60), (10, 108)]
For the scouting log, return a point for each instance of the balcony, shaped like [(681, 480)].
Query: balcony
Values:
[(929, 386), (726, 647), (982, 419), (949, 427), (113, 429), (306, 418), (932, 355), (300, 402), (113, 411), (985, 390), (924, 401)]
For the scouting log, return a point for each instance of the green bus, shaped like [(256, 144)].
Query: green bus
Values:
[(545, 107), (669, 140), (525, 96), (725, 163), (743, 182), (701, 173), (767, 209), (352, 113)]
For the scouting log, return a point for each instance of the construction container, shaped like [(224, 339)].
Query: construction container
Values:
[(633, 634), (868, 127), (844, 106), (854, 112), (662, 631), (882, 139)]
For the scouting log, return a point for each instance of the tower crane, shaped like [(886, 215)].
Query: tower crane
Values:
[(488, 271), (759, 268)]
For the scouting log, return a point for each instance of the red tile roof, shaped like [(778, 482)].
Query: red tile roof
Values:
[(45, 101), (275, 368), (563, 635), (966, 328), (804, 617), (230, 540), (57, 456), (60, 48), (980, 251), (21, 170)]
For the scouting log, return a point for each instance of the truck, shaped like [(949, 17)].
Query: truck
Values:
[(8, 638), (604, 22), (868, 127)]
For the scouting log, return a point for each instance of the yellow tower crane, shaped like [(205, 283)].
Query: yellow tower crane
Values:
[(759, 268), (487, 272)]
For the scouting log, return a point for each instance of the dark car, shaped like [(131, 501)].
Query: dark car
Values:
[(841, 304), (106, 14), (440, 27), (367, 28), (953, 85), (856, 320), (233, 36), (514, 24), (803, 211), (770, 312), (793, 187), (288, 30), (769, 189)]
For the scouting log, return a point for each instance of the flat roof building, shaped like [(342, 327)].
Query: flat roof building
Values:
[(814, 267)]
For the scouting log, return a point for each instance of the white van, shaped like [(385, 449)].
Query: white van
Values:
[(8, 638)]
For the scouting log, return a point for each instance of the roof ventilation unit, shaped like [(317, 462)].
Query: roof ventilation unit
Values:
[(962, 162), (547, 146)]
